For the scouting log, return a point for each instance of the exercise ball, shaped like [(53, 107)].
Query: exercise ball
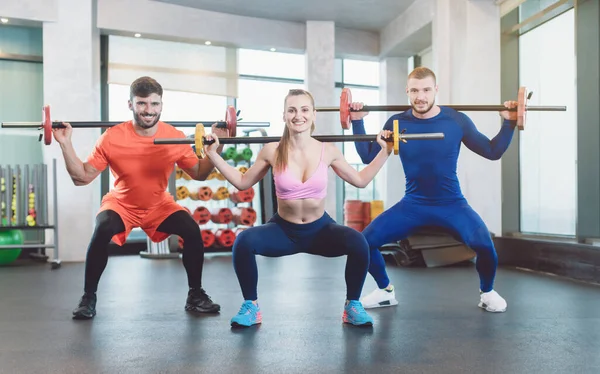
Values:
[(10, 237)]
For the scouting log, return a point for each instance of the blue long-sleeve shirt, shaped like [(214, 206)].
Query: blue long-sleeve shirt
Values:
[(430, 165)]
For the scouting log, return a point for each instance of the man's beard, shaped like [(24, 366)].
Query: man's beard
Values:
[(423, 111), (141, 123)]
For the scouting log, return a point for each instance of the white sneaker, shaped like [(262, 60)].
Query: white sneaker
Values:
[(492, 302), (379, 298)]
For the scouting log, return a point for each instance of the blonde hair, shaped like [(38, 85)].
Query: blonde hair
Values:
[(282, 149), (421, 73)]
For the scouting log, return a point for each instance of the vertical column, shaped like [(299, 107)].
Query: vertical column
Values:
[(511, 185), (587, 16), (441, 47), (320, 82), (393, 76), (72, 89), (466, 57)]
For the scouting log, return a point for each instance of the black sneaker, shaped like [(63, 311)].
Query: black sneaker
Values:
[(86, 308), (198, 301)]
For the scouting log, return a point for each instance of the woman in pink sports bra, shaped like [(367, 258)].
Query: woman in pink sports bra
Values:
[(300, 164)]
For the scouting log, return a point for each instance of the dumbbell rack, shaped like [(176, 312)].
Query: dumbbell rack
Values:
[(35, 175), (214, 184)]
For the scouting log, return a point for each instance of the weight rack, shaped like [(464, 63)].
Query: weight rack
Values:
[(37, 176)]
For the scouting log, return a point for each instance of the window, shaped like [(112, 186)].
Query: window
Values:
[(548, 148), (358, 72), (177, 106), (530, 8), (271, 64), (262, 101), (373, 124), (362, 77)]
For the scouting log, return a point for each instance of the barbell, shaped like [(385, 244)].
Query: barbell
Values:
[(199, 140), (230, 123), (521, 109)]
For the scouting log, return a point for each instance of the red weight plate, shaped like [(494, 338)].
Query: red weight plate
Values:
[(231, 119), (521, 108), (47, 124), (345, 100)]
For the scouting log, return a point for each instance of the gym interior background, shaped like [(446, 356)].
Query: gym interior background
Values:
[(80, 56), (541, 200)]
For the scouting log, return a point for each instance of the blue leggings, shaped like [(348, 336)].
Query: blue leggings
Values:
[(278, 238), (406, 216)]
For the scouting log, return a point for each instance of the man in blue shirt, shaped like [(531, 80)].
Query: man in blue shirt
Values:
[(433, 195)]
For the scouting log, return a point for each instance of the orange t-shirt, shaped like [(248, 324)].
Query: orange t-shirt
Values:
[(140, 167)]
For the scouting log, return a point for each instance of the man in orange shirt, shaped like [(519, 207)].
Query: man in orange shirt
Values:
[(139, 198)]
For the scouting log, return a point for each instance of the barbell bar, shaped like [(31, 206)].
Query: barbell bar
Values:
[(230, 123), (521, 109), (199, 139)]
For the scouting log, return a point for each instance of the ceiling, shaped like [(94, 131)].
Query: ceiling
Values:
[(370, 15)]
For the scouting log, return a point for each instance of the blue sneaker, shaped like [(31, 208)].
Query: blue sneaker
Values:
[(248, 315), (355, 314)]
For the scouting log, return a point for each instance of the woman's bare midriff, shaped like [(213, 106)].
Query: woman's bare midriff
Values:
[(301, 211)]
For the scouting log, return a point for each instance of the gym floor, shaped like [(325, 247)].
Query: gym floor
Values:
[(552, 324)]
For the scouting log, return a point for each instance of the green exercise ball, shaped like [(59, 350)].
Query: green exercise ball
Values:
[(10, 237)]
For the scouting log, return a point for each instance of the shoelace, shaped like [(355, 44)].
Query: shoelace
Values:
[(245, 309), (358, 309), (200, 293)]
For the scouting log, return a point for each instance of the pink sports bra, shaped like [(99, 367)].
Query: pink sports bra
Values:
[(288, 186)]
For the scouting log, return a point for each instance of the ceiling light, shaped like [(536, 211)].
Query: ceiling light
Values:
[(137, 35), (273, 49), (207, 42), (4, 20)]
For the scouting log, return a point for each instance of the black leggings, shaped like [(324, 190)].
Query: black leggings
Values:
[(109, 223)]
